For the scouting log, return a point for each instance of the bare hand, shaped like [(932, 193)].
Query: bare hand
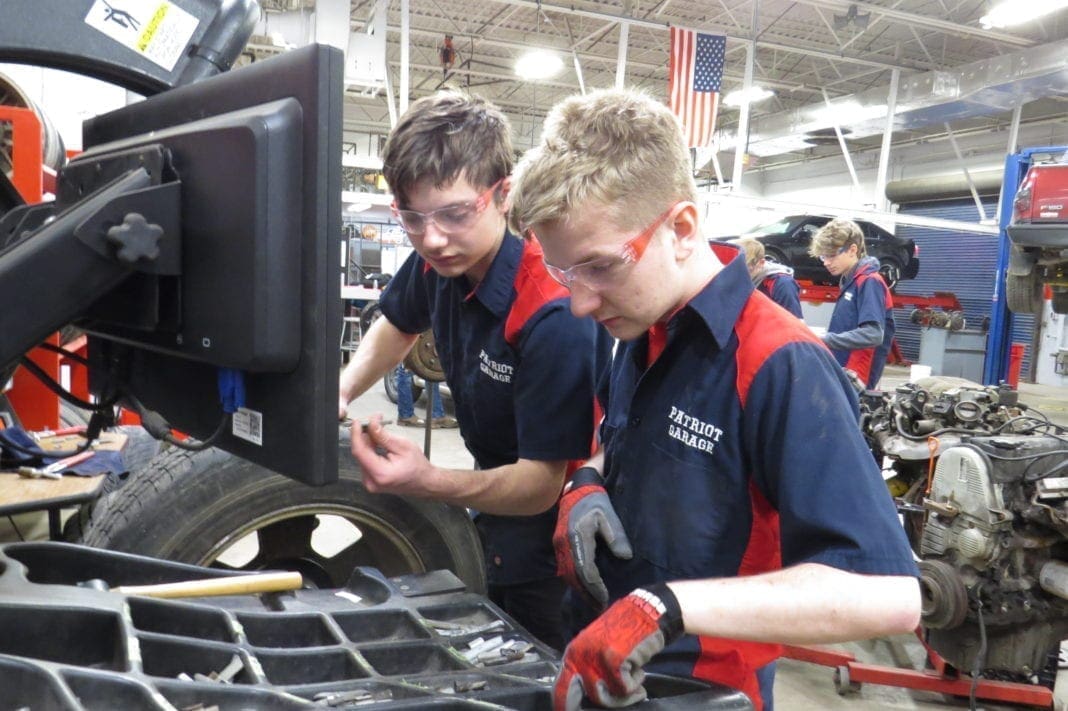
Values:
[(390, 463), (342, 407)]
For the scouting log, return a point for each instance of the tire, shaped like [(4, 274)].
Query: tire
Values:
[(368, 315), (72, 416), (776, 256), (193, 507), (842, 683), (140, 449), (390, 384), (891, 272), (68, 333), (1023, 293), (1060, 302)]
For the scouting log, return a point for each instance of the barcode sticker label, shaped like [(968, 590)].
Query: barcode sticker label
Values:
[(158, 30), (248, 425)]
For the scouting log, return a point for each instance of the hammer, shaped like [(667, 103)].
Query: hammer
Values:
[(207, 587)]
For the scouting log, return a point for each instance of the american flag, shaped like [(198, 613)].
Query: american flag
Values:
[(693, 82)]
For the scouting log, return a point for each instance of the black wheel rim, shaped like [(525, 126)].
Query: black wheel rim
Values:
[(891, 274), (324, 543), (390, 383)]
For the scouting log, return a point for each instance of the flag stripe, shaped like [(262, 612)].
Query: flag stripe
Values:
[(695, 73)]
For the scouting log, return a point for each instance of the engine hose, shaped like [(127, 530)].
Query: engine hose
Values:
[(1029, 478), (1041, 422), (923, 438)]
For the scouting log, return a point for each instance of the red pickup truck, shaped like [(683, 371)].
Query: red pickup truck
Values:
[(1039, 236)]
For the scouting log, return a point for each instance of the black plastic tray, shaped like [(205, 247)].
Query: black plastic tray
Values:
[(399, 643)]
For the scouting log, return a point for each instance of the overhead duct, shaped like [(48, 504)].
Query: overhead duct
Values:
[(944, 187), (983, 88)]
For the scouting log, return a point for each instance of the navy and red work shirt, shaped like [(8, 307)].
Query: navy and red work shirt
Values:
[(736, 452), (522, 371), (784, 290), (863, 297)]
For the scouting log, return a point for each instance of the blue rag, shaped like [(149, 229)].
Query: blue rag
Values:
[(103, 462), (9, 456)]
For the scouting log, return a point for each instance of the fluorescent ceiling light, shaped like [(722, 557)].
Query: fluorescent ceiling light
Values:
[(538, 64), (1014, 12), (846, 112), (753, 94)]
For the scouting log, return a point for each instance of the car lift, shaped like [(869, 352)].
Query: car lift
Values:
[(821, 294), (999, 343), (849, 674), (944, 300)]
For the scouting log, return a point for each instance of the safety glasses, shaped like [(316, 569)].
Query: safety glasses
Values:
[(828, 257), (451, 218), (603, 271)]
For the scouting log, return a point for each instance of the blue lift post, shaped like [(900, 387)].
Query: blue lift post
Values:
[(999, 339)]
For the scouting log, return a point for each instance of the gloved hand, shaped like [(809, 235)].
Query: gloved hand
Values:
[(585, 513), (605, 660)]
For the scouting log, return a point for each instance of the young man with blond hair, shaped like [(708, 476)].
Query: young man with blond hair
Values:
[(521, 369), (862, 327), (773, 280), (731, 453)]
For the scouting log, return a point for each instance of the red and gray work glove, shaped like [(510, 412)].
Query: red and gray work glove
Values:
[(605, 660), (586, 513)]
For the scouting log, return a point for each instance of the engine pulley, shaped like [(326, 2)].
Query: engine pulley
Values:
[(944, 600)]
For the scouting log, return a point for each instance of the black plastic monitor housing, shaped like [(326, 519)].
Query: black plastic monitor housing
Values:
[(200, 230), (258, 153)]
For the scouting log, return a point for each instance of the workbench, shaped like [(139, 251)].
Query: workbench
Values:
[(19, 494)]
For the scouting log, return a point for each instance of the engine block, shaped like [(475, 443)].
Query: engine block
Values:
[(989, 523), (966, 509)]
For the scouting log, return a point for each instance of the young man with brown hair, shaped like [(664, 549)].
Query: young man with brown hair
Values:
[(862, 326), (731, 451), (522, 370)]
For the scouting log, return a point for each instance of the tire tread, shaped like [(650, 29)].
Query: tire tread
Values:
[(163, 511)]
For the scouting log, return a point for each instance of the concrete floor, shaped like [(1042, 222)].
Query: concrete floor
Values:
[(800, 686)]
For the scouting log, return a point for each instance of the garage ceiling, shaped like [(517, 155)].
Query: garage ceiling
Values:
[(803, 48)]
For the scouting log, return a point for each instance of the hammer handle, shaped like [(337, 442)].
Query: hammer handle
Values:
[(230, 585)]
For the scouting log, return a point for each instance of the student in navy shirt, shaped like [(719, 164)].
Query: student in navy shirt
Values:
[(730, 451), (862, 325), (773, 280), (522, 369)]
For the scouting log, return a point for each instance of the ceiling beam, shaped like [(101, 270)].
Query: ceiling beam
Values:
[(457, 75), (521, 46), (634, 21), (913, 20)]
